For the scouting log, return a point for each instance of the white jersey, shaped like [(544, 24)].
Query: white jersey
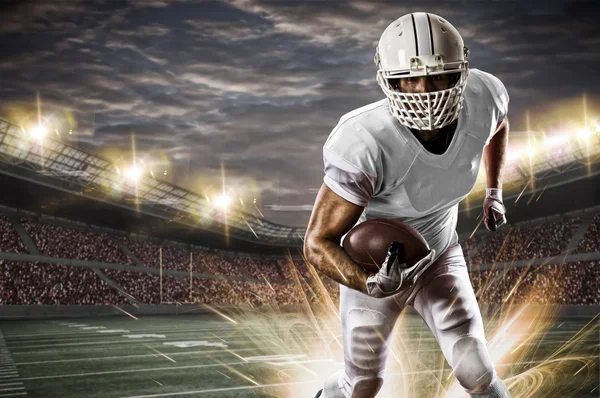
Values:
[(373, 161)]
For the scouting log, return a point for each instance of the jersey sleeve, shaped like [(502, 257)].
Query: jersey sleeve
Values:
[(350, 160), (498, 94), (499, 99)]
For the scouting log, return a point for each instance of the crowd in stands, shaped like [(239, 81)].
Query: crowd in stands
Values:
[(34, 283), (214, 263), (230, 280), (256, 268), (591, 240), (10, 241), (576, 283), (178, 258), (521, 243), (143, 287), (72, 243)]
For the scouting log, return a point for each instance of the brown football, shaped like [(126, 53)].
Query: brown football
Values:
[(367, 243)]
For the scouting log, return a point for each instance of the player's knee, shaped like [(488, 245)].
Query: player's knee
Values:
[(367, 351), (367, 348), (367, 387), (472, 365)]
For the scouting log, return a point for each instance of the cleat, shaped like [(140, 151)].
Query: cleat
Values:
[(319, 393)]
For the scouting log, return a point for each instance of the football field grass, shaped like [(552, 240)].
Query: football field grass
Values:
[(270, 355)]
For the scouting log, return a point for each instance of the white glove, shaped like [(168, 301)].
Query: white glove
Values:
[(394, 276)]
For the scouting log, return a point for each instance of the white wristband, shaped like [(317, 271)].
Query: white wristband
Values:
[(494, 193)]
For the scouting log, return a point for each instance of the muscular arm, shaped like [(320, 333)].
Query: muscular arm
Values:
[(494, 155), (331, 218)]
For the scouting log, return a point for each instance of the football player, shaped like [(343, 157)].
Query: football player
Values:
[(412, 156)]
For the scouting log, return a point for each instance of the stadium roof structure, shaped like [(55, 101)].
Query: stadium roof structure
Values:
[(562, 160), (63, 167), (70, 169)]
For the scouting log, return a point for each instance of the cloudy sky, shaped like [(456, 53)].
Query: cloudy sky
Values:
[(256, 86)]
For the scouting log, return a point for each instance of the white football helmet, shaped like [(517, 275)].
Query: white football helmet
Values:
[(422, 44)]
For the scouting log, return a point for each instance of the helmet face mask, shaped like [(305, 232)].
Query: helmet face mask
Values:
[(442, 52)]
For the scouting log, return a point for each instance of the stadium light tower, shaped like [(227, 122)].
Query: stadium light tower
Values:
[(585, 133)]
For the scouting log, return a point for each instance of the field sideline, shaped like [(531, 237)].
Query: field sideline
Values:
[(257, 356)]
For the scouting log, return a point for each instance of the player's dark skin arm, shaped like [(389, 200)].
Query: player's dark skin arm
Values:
[(494, 155), (331, 218)]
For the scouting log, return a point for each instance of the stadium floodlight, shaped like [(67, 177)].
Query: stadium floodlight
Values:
[(133, 173), (556, 140), (38, 132), (513, 155), (585, 133), (223, 201)]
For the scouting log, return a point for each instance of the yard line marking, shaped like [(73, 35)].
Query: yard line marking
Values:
[(13, 394), (12, 388), (209, 352), (117, 344), (242, 339), (554, 336), (103, 349), (429, 371), (171, 332), (109, 372), (141, 330), (10, 384)]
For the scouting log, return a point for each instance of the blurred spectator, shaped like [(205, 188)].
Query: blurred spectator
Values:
[(63, 242), (576, 283), (51, 284), (31, 283), (591, 240), (10, 241), (521, 243)]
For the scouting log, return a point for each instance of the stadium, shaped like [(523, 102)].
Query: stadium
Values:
[(130, 286), (154, 206)]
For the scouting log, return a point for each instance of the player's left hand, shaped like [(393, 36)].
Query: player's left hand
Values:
[(494, 212)]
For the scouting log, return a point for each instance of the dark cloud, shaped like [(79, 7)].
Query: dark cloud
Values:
[(258, 85)]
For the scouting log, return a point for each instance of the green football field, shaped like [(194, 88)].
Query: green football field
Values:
[(273, 355)]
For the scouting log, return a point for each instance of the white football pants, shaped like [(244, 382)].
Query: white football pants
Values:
[(445, 301)]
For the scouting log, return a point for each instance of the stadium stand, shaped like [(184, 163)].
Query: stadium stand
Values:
[(9, 239), (63, 242), (51, 284), (591, 239), (522, 243), (575, 283), (257, 281)]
